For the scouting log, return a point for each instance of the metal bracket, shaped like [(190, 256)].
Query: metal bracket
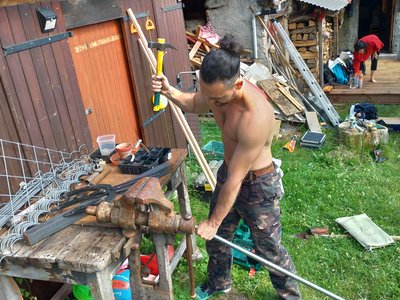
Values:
[(141, 15), (172, 7), (36, 43), (152, 118)]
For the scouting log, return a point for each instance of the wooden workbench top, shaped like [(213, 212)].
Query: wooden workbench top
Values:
[(81, 248)]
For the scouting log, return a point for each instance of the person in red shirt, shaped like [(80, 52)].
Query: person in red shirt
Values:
[(366, 47)]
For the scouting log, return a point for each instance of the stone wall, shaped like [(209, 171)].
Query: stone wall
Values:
[(348, 33), (234, 17)]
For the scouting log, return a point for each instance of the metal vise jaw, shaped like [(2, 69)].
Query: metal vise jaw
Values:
[(144, 204)]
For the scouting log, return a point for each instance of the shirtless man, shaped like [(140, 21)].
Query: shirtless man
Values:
[(248, 186)]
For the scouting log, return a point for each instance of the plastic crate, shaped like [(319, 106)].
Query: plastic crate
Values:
[(243, 239), (145, 161), (215, 149)]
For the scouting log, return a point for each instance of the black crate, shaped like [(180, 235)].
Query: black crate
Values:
[(96, 155), (148, 164), (145, 160)]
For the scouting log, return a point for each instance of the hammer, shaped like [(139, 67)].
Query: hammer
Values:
[(160, 45)]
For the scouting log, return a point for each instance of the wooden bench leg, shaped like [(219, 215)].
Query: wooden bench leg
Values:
[(101, 287), (184, 205), (9, 289)]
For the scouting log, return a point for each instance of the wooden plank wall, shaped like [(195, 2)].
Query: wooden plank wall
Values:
[(159, 132), (40, 84), (171, 24), (39, 95), (40, 99)]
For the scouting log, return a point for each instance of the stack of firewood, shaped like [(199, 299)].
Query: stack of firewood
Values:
[(303, 33), (328, 40)]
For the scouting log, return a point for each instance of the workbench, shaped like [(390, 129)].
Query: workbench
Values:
[(88, 255)]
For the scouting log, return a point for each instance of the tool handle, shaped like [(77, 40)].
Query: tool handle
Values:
[(160, 60), (156, 101)]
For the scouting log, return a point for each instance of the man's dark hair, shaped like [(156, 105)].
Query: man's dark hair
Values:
[(360, 45), (222, 64)]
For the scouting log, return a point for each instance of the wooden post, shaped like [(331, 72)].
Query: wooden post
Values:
[(321, 53)]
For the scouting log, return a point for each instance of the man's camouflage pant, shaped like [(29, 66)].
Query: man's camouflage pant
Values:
[(258, 205)]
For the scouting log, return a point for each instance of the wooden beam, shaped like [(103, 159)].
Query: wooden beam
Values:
[(289, 97), (9, 289), (17, 2), (63, 292), (194, 49)]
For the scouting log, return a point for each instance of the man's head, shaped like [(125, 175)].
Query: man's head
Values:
[(361, 47), (220, 72)]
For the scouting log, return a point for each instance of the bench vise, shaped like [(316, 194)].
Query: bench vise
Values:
[(144, 207)]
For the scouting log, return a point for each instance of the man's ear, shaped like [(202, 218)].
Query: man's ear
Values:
[(239, 83)]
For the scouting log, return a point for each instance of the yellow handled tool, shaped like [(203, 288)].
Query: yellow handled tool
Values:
[(160, 45)]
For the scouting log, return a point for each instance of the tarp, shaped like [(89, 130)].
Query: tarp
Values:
[(366, 232)]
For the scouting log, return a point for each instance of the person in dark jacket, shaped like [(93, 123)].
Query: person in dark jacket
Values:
[(366, 47)]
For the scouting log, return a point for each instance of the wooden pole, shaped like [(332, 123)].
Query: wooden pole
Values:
[(176, 110)]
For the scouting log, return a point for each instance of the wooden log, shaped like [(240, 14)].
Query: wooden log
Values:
[(308, 54), (305, 36), (293, 37), (312, 48), (302, 49), (304, 30), (301, 18), (299, 37), (355, 139), (311, 23), (300, 25), (292, 26), (305, 43)]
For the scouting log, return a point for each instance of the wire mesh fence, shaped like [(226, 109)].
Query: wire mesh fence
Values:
[(32, 179)]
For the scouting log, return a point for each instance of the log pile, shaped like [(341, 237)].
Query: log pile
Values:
[(328, 40), (304, 35)]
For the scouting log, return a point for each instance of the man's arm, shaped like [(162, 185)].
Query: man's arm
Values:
[(188, 102), (356, 64), (247, 151)]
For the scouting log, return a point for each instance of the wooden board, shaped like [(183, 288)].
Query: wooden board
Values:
[(289, 96), (277, 97), (81, 13), (91, 250), (312, 121), (391, 120)]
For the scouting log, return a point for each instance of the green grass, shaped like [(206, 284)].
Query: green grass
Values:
[(320, 186)]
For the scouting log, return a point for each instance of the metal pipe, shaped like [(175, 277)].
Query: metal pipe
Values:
[(254, 29), (277, 268), (189, 256)]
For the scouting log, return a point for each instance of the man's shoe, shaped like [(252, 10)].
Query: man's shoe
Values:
[(204, 291)]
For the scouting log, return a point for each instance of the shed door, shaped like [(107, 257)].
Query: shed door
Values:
[(101, 65)]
